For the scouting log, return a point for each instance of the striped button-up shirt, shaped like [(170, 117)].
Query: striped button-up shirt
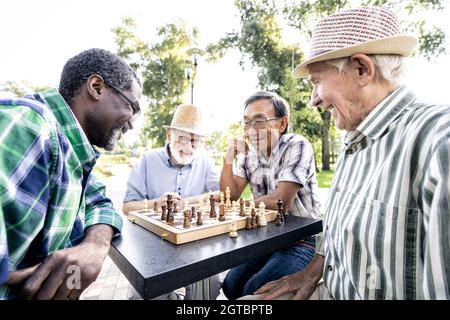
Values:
[(291, 160), (387, 217), (48, 196)]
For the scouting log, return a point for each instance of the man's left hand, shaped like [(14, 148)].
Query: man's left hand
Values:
[(66, 273)]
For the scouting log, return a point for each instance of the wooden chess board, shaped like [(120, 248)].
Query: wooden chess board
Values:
[(177, 234)]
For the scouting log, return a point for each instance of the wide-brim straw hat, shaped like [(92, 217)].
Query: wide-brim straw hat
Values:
[(187, 118), (368, 30)]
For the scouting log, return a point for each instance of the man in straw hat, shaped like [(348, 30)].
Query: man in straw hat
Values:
[(180, 169), (386, 227)]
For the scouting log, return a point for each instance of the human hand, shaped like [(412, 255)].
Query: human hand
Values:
[(67, 272), (236, 146), (19, 276), (163, 199), (300, 286)]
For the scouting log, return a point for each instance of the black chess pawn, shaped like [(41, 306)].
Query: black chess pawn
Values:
[(163, 212), (155, 206), (241, 208), (199, 218), (278, 220), (187, 219), (193, 213), (222, 212), (280, 209), (175, 208), (248, 223)]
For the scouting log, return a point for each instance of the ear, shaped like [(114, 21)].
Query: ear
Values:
[(168, 135), (95, 86), (364, 67), (284, 121)]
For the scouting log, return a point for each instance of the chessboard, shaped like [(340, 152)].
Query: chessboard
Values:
[(179, 232)]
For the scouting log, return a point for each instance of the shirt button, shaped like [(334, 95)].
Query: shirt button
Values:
[(330, 268), (338, 189), (326, 228)]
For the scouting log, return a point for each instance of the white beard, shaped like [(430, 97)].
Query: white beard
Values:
[(186, 158)]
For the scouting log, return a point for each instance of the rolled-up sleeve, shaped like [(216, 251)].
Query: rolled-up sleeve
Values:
[(99, 208), (298, 164), (436, 211)]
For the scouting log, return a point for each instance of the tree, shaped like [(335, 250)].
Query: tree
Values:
[(260, 40), (21, 88), (162, 65)]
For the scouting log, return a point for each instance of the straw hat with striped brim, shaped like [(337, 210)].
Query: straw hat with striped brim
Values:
[(187, 118), (368, 30)]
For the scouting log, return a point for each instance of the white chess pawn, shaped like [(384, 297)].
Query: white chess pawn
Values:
[(233, 231), (234, 205), (262, 214), (228, 197), (222, 197)]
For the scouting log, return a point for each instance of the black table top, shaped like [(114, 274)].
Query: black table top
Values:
[(155, 266)]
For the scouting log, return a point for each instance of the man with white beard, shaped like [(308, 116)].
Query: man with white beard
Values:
[(180, 169)]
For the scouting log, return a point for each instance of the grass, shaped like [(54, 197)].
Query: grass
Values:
[(324, 178)]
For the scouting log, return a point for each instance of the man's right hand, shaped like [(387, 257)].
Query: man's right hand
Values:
[(235, 147), (163, 199), (299, 285)]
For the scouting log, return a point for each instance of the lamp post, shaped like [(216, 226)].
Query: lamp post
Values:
[(191, 71)]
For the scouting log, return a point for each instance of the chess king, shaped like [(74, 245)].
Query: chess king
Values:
[(277, 165), (181, 169)]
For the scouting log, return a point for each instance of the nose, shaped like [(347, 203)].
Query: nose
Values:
[(315, 99)]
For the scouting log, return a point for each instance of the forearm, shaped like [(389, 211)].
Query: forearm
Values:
[(227, 180), (99, 236), (314, 271), (135, 205)]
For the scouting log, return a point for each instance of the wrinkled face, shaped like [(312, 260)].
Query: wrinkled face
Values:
[(337, 92), (262, 127), (115, 115), (183, 146)]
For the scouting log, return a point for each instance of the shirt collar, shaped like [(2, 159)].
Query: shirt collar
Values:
[(70, 127), (381, 117)]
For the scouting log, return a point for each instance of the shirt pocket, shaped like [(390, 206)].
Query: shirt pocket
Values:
[(385, 245)]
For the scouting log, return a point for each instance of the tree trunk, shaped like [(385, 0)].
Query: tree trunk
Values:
[(326, 116)]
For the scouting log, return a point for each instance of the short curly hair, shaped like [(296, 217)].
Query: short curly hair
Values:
[(94, 61)]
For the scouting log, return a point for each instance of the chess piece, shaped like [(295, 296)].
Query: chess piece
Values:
[(193, 214), (222, 197), (278, 220), (187, 219), (155, 206), (251, 202), (253, 217), (212, 212), (233, 231), (170, 217), (241, 208), (262, 208), (280, 208), (199, 218), (262, 222), (164, 212), (248, 223), (233, 206), (200, 205), (175, 208), (186, 205), (145, 207), (222, 212), (228, 197)]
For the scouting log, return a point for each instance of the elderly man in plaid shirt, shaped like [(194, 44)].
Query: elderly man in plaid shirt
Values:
[(276, 165), (56, 224)]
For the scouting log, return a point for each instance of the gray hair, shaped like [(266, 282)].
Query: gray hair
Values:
[(392, 67)]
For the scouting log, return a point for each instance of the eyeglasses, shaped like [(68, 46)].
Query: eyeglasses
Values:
[(257, 123), (134, 104), (185, 140)]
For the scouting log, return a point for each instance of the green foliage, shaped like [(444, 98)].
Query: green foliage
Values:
[(20, 88), (324, 178), (162, 64), (260, 40)]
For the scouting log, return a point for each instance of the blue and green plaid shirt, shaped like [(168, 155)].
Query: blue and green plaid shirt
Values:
[(48, 194)]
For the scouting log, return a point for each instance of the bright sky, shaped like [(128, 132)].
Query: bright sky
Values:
[(39, 36)]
